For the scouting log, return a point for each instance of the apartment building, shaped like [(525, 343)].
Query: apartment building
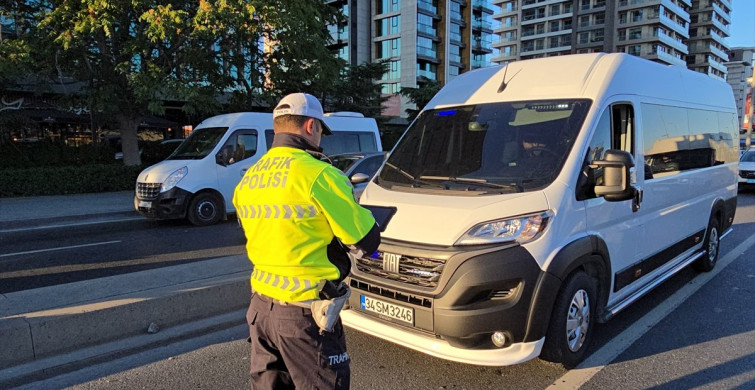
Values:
[(352, 38), (739, 70), (709, 25), (420, 40), (675, 32)]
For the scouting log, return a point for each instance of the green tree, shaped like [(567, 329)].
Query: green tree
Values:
[(420, 96), (356, 90), (135, 54)]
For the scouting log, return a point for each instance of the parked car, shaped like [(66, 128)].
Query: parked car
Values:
[(356, 164), (747, 169)]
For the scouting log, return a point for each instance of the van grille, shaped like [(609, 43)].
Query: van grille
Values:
[(147, 190), (418, 271), (747, 174)]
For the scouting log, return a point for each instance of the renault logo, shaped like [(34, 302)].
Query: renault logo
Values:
[(391, 262)]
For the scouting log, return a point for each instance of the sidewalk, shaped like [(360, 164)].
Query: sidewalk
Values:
[(56, 329)]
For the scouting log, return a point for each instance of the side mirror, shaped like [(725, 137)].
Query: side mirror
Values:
[(617, 186), (359, 178), (224, 155)]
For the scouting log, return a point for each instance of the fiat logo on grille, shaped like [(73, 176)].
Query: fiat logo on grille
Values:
[(390, 262)]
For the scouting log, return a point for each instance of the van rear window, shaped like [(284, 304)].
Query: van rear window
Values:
[(340, 142)]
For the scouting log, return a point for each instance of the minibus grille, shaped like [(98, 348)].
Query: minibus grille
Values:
[(147, 190), (418, 271)]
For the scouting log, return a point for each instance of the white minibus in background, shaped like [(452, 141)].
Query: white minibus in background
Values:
[(528, 202), (198, 179)]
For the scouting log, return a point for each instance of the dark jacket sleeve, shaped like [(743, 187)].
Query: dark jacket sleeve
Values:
[(337, 252)]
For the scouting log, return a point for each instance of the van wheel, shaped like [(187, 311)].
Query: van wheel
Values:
[(571, 325), (204, 210), (711, 244)]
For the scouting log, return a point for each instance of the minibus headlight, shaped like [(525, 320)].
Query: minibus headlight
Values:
[(174, 178), (520, 229)]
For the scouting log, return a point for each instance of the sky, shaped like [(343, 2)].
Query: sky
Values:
[(742, 27)]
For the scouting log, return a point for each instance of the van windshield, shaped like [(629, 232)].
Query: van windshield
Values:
[(199, 144), (483, 149)]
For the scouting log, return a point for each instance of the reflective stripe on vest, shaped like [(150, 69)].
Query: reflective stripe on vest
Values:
[(287, 283), (284, 211)]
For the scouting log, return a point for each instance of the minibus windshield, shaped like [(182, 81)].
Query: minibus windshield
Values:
[(483, 149), (199, 144)]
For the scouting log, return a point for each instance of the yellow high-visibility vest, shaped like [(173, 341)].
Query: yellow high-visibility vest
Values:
[(291, 205)]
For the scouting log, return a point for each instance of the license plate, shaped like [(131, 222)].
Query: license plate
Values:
[(145, 204), (387, 309)]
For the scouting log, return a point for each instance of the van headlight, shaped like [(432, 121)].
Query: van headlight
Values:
[(174, 178), (521, 229)]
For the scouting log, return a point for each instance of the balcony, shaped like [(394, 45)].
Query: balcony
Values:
[(482, 6), (427, 6), (677, 10), (724, 28), (668, 58), (673, 43), (720, 11), (679, 29), (719, 53)]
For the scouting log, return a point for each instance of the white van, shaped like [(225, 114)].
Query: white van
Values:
[(198, 179), (529, 201)]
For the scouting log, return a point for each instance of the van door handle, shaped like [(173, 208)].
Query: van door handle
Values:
[(243, 171), (637, 199)]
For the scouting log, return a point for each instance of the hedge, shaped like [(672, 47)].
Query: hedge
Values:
[(47, 168), (38, 181)]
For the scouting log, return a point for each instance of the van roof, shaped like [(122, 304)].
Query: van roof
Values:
[(595, 76), (335, 122)]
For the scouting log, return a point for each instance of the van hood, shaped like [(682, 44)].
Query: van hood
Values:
[(443, 219), (159, 172)]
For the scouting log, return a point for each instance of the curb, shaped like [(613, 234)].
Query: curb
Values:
[(52, 323)]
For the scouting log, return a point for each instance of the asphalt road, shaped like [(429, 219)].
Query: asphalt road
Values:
[(694, 331), (82, 249)]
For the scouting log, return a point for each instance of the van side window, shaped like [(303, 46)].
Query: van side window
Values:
[(679, 139), (615, 130), (243, 144)]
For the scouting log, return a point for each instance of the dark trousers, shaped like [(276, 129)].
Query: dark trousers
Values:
[(288, 351)]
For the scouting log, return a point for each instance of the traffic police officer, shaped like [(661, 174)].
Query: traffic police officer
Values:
[(300, 219)]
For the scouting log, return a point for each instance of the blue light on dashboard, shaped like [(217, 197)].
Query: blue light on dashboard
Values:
[(447, 113)]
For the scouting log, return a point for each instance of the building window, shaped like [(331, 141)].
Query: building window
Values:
[(388, 26), (388, 48), (584, 37), (635, 33), (394, 71), (385, 6), (390, 88), (555, 25)]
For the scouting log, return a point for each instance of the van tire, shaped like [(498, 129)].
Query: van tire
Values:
[(570, 330), (711, 246), (205, 209)]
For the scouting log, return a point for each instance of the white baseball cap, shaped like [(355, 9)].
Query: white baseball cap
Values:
[(302, 104)]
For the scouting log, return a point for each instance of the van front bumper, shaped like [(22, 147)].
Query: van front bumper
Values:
[(480, 292), (513, 354), (171, 204)]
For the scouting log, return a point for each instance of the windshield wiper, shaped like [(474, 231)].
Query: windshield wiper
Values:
[(472, 180), (408, 175)]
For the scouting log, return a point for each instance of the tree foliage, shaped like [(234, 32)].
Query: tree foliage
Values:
[(356, 90), (420, 96), (135, 54)]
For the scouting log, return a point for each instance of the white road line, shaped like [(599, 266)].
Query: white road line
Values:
[(69, 225), (60, 248), (575, 378)]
